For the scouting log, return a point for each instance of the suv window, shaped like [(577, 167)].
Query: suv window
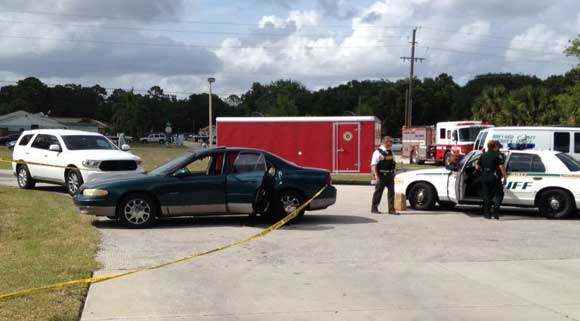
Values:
[(44, 141), (577, 143), (571, 163), (24, 141), (525, 163), (442, 133), (562, 142)]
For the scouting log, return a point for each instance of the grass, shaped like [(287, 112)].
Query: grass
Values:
[(5, 153), (153, 156), (43, 240)]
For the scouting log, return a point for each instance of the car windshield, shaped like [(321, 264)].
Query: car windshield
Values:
[(170, 166), (469, 134), (571, 163), (87, 142)]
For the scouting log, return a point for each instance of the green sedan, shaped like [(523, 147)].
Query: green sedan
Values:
[(218, 181)]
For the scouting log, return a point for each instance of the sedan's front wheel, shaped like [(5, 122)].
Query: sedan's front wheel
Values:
[(422, 197), (556, 204), (137, 211)]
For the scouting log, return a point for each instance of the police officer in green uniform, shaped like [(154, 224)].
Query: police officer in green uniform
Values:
[(491, 166), (383, 166)]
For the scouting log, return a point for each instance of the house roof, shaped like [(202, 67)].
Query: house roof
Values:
[(21, 113), (79, 120)]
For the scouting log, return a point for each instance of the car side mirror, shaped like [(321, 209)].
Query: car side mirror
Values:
[(125, 147), (181, 173), (54, 148)]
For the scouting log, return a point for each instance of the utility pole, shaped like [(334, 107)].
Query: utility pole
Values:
[(413, 59), (210, 129)]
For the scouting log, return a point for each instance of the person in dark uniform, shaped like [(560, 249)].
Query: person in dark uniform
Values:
[(501, 183), (268, 199), (383, 168), (491, 166)]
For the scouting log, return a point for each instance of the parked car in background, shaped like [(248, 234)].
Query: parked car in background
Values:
[(158, 138), (397, 145), (10, 145), (8, 138), (86, 156), (216, 181)]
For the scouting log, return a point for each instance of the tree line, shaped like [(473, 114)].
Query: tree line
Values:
[(504, 99)]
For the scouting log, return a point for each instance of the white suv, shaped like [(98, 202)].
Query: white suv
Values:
[(154, 138), (86, 156)]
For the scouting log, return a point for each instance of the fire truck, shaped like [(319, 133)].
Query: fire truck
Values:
[(440, 142)]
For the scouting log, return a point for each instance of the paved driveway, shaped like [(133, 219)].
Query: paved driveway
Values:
[(346, 264)]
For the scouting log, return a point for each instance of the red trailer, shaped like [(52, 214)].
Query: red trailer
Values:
[(338, 144)]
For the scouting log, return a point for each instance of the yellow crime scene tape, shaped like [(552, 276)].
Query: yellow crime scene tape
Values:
[(79, 282), (2, 160)]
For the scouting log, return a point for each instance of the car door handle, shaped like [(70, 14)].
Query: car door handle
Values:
[(537, 178)]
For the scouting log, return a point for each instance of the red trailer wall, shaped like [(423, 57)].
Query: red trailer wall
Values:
[(308, 144)]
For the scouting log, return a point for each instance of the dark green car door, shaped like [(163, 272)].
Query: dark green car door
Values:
[(245, 173), (196, 189)]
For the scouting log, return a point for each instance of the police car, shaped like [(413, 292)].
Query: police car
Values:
[(547, 180)]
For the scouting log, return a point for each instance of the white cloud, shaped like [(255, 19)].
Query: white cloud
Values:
[(538, 42)]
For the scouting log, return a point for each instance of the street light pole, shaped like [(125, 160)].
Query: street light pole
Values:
[(210, 138)]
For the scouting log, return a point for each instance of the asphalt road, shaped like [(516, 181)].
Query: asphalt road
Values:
[(345, 264)]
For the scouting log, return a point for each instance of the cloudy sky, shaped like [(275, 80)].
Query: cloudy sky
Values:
[(178, 44)]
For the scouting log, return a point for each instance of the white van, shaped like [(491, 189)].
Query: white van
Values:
[(562, 139)]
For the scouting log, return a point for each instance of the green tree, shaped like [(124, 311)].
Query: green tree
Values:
[(568, 104), (574, 48)]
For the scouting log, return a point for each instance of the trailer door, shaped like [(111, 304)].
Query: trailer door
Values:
[(347, 147)]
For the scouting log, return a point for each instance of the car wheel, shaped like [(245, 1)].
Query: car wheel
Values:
[(556, 204), (137, 211), (25, 181), (422, 197), (74, 180), (291, 201), (446, 205), (447, 158)]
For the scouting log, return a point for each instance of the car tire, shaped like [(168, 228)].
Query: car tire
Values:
[(447, 205), (556, 204), (73, 181), (422, 197), (291, 200), (137, 211), (25, 180), (446, 158)]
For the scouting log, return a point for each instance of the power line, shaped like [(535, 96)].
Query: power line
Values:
[(254, 34), (498, 56), (202, 22), (476, 44), (127, 43)]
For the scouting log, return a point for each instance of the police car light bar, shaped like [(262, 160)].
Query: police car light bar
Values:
[(512, 146)]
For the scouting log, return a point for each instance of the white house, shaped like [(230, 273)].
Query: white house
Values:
[(20, 120)]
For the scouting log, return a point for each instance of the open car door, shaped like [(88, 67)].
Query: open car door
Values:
[(245, 174), (456, 179)]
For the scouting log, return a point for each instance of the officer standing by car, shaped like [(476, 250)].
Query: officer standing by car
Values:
[(383, 167), (491, 166)]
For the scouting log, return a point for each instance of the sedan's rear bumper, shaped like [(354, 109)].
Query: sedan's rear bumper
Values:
[(327, 198)]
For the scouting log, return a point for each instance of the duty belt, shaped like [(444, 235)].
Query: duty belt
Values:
[(387, 172)]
